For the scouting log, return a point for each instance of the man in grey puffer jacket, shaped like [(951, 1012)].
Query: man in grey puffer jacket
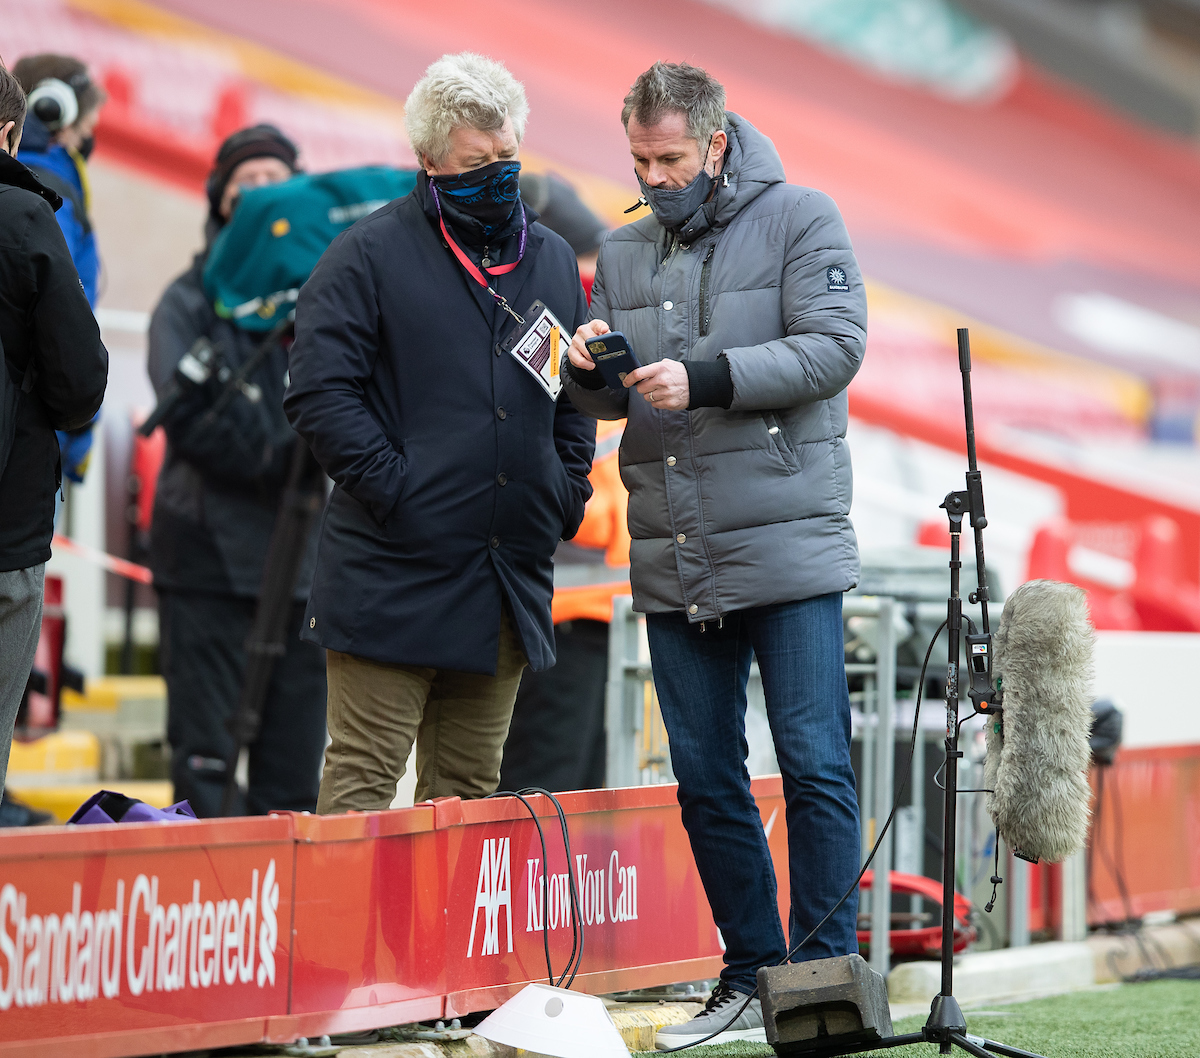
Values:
[(742, 299)]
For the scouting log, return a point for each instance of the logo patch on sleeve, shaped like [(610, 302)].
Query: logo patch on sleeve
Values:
[(835, 279)]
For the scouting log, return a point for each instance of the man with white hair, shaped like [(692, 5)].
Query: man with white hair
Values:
[(742, 299), (426, 376)]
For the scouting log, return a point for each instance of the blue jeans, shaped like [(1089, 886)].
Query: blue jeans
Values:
[(701, 678)]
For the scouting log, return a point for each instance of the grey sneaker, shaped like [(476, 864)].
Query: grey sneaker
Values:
[(720, 1015)]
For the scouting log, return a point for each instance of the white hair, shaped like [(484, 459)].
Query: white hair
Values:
[(461, 91)]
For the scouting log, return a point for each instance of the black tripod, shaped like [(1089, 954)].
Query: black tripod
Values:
[(303, 496), (946, 1025)]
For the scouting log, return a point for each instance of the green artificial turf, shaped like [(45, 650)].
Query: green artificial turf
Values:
[(1158, 1019)]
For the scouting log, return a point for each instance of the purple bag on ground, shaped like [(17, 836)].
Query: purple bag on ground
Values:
[(109, 807)]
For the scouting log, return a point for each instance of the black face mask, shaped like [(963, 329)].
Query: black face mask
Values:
[(86, 146), (674, 207), (482, 203)]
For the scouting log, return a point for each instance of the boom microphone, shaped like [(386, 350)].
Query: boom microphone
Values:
[(1037, 747)]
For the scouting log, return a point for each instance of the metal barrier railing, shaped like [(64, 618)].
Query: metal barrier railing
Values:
[(639, 752)]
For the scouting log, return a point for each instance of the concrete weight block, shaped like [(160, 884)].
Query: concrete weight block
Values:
[(806, 1005)]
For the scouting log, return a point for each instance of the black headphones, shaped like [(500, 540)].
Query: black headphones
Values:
[(56, 102)]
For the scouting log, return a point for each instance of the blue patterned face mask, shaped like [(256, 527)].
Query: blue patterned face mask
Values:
[(482, 202)]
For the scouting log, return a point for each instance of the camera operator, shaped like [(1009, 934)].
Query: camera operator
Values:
[(55, 371), (215, 507), (63, 108), (744, 303)]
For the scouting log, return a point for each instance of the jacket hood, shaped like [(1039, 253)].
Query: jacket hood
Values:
[(752, 164), (15, 174), (35, 137)]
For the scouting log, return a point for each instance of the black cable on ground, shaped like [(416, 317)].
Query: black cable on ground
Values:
[(1093, 845), (867, 863), (1117, 851), (1132, 928), (545, 902), (1175, 973), (577, 932), (996, 880), (1139, 933)]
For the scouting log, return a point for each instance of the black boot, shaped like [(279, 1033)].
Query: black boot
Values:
[(14, 813)]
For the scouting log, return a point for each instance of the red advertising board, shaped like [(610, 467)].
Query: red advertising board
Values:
[(171, 936), (123, 939), (440, 910), (1144, 845)]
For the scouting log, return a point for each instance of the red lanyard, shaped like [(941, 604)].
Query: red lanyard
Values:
[(472, 269)]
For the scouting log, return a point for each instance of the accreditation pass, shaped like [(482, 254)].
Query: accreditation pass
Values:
[(540, 346)]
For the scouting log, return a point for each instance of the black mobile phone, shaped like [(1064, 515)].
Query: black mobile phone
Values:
[(613, 357)]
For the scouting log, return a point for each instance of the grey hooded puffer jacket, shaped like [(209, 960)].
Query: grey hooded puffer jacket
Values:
[(730, 509)]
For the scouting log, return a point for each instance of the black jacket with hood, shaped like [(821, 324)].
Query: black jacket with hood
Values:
[(222, 480), (52, 349)]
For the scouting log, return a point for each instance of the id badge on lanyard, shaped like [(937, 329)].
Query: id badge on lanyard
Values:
[(540, 345)]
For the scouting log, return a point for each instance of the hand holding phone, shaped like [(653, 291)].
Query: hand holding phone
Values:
[(577, 353), (613, 357)]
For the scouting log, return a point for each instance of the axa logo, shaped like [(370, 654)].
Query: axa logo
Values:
[(493, 892), (606, 893)]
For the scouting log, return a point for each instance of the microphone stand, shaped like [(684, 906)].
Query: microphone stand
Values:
[(946, 1025)]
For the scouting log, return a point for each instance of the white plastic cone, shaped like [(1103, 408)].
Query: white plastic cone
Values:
[(555, 1021)]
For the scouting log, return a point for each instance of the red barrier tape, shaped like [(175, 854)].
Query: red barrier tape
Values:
[(120, 566), (124, 940)]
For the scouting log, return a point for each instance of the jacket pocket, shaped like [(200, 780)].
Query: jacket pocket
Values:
[(779, 440), (572, 507), (391, 519), (561, 486)]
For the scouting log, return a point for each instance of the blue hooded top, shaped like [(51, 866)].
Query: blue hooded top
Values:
[(44, 156)]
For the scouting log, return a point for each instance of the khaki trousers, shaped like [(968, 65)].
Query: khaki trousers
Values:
[(459, 721)]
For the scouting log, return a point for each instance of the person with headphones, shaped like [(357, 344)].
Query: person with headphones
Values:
[(214, 510), (63, 107)]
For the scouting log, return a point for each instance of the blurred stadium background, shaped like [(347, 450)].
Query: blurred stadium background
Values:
[(1027, 168)]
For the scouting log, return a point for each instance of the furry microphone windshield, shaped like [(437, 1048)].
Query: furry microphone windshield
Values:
[(1037, 748)]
